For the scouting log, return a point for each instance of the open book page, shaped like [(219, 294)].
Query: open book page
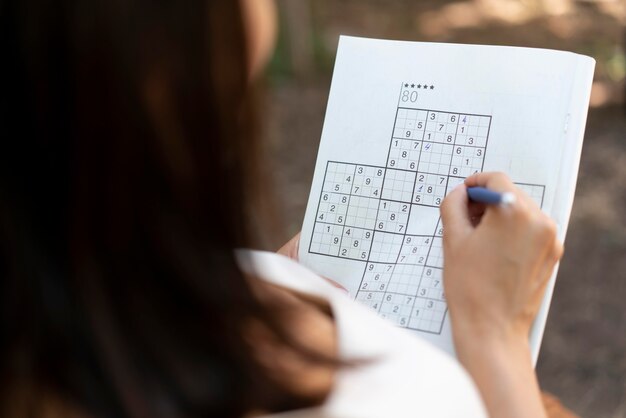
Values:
[(406, 122)]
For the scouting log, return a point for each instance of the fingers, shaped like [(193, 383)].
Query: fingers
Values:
[(455, 214), (290, 249), (500, 182)]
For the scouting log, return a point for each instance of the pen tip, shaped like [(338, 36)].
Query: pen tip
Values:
[(508, 198)]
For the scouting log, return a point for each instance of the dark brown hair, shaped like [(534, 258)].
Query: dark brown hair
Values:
[(127, 167)]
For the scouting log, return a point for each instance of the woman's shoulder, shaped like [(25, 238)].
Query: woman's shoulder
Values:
[(398, 374)]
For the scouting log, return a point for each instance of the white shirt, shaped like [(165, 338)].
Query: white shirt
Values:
[(406, 377)]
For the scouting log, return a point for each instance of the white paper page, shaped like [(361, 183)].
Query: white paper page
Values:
[(406, 122)]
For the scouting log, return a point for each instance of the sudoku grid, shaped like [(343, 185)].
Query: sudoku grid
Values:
[(364, 212)]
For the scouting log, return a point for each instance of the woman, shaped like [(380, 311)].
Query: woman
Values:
[(129, 177)]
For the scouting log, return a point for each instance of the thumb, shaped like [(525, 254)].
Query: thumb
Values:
[(455, 214)]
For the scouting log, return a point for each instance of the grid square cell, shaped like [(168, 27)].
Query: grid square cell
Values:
[(371, 299), (404, 154), (385, 247), (396, 308), (466, 160), (431, 284), (435, 158), (473, 130), (392, 216), (362, 212), (326, 239), (376, 277), (398, 185), (453, 182), (368, 181), (333, 208), (421, 315), (356, 243), (410, 124), (415, 249), (427, 315), (430, 189), (339, 177), (441, 127), (406, 279)]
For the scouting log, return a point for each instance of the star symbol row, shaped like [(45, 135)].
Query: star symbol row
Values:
[(420, 86)]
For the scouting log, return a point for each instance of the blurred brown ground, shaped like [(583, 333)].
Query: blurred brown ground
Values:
[(583, 357)]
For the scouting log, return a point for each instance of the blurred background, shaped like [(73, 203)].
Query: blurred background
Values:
[(583, 357)]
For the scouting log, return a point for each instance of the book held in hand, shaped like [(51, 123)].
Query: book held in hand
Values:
[(407, 122)]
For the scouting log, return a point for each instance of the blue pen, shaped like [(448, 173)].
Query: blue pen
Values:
[(489, 197)]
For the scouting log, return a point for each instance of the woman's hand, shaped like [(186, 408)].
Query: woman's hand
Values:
[(291, 248), (497, 262)]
